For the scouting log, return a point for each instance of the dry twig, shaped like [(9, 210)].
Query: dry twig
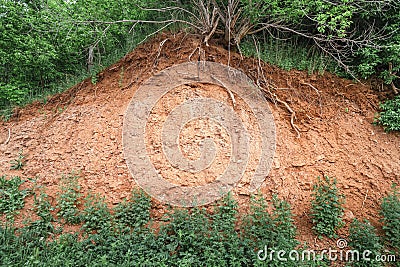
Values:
[(309, 84), (159, 52), (227, 90), (291, 111), (8, 138)]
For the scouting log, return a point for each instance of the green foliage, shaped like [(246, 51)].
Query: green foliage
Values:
[(331, 18), (390, 211), (96, 215), (271, 231), (69, 200), (127, 236), (197, 239), (43, 227), (42, 45), (135, 212), (362, 237), (389, 117), (11, 197), (289, 54), (47, 46), (186, 237), (13, 94), (326, 207), (334, 18), (382, 60), (18, 164), (43, 207)]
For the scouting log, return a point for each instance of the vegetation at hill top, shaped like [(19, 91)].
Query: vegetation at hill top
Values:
[(48, 45)]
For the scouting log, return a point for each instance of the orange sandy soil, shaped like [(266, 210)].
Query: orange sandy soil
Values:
[(81, 130)]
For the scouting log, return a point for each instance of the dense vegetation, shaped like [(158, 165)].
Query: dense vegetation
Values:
[(390, 114), (48, 45), (129, 234), (126, 235)]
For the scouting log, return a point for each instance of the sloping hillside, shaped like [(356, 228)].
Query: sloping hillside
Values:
[(81, 130)]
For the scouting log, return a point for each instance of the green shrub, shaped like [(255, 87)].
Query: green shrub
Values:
[(363, 237), (96, 216), (389, 117), (12, 94), (270, 232), (42, 228), (184, 237), (18, 164), (69, 200), (390, 211), (288, 54), (135, 212), (326, 207), (11, 197), (196, 238)]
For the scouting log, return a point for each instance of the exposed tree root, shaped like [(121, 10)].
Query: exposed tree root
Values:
[(227, 90), (8, 138), (312, 86), (159, 53), (274, 98), (261, 79), (395, 89)]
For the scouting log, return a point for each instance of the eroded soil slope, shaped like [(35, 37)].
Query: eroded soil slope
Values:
[(81, 130)]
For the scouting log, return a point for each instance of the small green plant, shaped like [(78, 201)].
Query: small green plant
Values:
[(389, 117), (96, 216), (69, 200), (270, 231), (43, 227), (390, 212), (326, 207), (363, 237), (61, 109), (18, 164), (134, 212), (11, 197), (6, 113)]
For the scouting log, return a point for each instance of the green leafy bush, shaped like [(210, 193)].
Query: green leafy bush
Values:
[(390, 211), (69, 200), (11, 197), (326, 207), (43, 45), (271, 231), (12, 94), (363, 237), (43, 227), (289, 54), (216, 236), (389, 117), (135, 212), (96, 216), (195, 238)]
